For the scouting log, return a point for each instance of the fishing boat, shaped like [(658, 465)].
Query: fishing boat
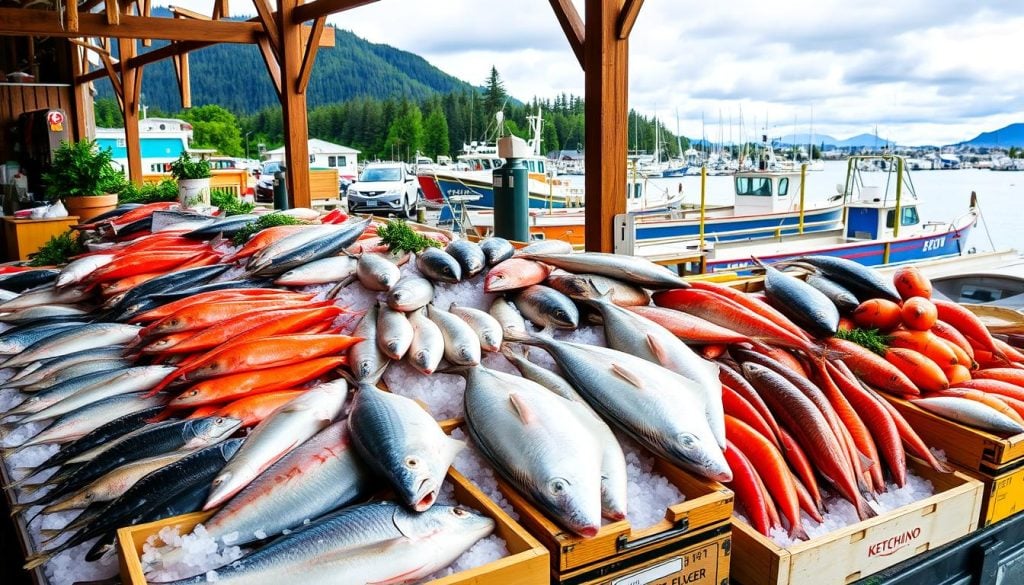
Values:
[(867, 230), (161, 141)]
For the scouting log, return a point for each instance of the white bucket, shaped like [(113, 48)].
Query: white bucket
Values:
[(194, 192)]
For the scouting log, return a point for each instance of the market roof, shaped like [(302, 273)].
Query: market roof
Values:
[(317, 146)]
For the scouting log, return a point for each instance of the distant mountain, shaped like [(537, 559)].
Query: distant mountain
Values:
[(1005, 137), (234, 76), (803, 139)]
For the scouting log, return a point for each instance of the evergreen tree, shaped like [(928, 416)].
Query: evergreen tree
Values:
[(435, 133), (107, 113), (494, 93), (215, 127), (405, 135)]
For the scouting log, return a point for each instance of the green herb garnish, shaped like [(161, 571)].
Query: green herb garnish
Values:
[(868, 338), (399, 237), (230, 204), (166, 190), (269, 220), (58, 250)]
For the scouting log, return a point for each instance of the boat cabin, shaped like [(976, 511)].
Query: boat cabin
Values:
[(870, 220), (759, 192)]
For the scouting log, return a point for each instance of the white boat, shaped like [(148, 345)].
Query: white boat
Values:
[(161, 141)]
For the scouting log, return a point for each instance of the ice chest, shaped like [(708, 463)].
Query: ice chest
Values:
[(866, 547), (527, 563)]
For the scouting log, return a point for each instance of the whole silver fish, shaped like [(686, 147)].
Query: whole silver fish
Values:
[(578, 286), (469, 256), (805, 305), (403, 443), (547, 247), (546, 307), (22, 339), (89, 336), (324, 271), (77, 270), (506, 314), (438, 265), (631, 333), (131, 380), (289, 243), (365, 358), (411, 293), (377, 272), (79, 369), (321, 475), (461, 344), (275, 436), (614, 488), (370, 543), (487, 328), (50, 396), (394, 332), (86, 419), (427, 346), (841, 296), (329, 244), (971, 413), (496, 249), (634, 269), (537, 441), (40, 369), (643, 400), (46, 296), (42, 312)]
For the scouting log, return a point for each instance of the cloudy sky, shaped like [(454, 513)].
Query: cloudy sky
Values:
[(921, 71)]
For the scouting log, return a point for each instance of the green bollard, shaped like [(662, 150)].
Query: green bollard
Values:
[(512, 201), (280, 190)]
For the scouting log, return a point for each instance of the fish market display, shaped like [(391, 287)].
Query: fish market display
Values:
[(190, 363)]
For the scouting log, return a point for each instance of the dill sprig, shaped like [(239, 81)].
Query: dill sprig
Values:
[(868, 338), (58, 250), (269, 220), (399, 237)]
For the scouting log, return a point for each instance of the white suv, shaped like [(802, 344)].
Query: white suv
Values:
[(385, 187)]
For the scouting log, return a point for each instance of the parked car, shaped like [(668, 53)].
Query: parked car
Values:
[(385, 187), (265, 181)]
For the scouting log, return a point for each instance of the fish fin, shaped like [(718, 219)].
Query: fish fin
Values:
[(865, 461), (455, 445), (626, 375), (797, 531), (522, 409), (657, 349), (336, 289), (864, 510), (757, 262)]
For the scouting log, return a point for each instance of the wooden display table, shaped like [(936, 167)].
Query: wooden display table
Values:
[(26, 236)]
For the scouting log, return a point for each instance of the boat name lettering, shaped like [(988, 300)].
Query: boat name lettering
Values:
[(889, 546), (935, 244), (461, 192)]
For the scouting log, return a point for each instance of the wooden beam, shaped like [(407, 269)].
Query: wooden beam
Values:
[(606, 90), (181, 73), (273, 67), (28, 22), (146, 9), (266, 18), (186, 13), (73, 15), (112, 12), (293, 106), (115, 81), (312, 44), (572, 25), (221, 9), (627, 18), (318, 8), (131, 82), (82, 116)]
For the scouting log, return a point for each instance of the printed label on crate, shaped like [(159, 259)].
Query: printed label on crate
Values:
[(696, 567), (894, 544)]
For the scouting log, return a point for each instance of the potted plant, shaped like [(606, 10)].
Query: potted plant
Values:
[(193, 176), (82, 177)]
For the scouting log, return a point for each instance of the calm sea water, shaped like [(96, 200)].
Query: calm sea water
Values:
[(944, 196)]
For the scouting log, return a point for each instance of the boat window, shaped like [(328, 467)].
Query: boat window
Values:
[(532, 166), (757, 186), (485, 165), (540, 166), (908, 216), (783, 186)]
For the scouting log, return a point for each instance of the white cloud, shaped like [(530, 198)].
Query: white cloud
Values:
[(922, 71)]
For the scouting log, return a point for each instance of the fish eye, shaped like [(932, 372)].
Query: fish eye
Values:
[(412, 462), (687, 440), (460, 512), (219, 421), (557, 485)]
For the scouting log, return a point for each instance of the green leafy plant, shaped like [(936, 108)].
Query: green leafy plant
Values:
[(267, 221), (185, 167), (166, 190), (80, 169), (229, 203), (870, 339), (58, 250), (399, 237)]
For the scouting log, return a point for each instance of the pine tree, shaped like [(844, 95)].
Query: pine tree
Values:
[(435, 133), (494, 93)]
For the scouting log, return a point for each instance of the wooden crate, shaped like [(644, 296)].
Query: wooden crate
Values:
[(1004, 492), (619, 550), (26, 236), (527, 563), (867, 547)]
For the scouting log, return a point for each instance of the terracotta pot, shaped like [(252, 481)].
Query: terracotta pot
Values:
[(89, 207)]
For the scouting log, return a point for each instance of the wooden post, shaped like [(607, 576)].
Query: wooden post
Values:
[(82, 116), (130, 83), (293, 106), (606, 89)]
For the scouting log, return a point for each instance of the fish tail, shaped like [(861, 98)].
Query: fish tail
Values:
[(864, 510), (797, 531), (37, 560)]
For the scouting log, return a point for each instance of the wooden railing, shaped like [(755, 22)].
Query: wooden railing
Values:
[(234, 180)]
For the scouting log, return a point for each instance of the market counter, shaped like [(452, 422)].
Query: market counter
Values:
[(26, 236)]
